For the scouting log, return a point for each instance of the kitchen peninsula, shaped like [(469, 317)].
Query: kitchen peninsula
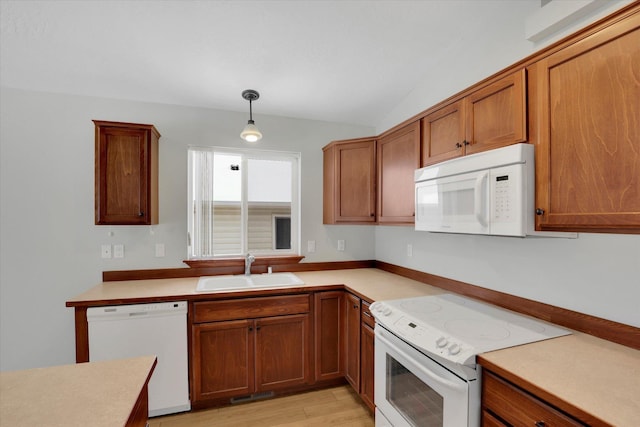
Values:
[(99, 394)]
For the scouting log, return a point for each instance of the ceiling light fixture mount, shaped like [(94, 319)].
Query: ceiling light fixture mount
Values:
[(250, 133)]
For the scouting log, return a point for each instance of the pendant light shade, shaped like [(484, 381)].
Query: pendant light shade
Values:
[(250, 133)]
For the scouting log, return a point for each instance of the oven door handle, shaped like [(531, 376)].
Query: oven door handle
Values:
[(460, 388)]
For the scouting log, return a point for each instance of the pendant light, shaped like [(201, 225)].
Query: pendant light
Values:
[(250, 133)]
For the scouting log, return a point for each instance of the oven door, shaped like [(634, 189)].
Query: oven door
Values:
[(413, 390)]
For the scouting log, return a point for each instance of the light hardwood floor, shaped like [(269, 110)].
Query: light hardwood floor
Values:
[(338, 406)]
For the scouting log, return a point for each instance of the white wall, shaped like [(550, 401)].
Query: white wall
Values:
[(595, 274), (50, 247)]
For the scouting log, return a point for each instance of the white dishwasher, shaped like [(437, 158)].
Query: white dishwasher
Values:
[(160, 329)]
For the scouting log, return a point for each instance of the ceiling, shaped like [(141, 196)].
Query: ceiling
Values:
[(342, 61)]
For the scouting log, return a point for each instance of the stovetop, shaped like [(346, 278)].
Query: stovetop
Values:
[(456, 328)]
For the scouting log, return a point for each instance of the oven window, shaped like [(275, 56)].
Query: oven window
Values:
[(415, 400)]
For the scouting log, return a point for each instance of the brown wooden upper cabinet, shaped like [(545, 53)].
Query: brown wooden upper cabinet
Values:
[(349, 180), (398, 158), (588, 112), (490, 117), (126, 173)]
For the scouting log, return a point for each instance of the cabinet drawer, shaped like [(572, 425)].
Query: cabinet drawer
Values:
[(249, 308), (367, 318), (516, 407)]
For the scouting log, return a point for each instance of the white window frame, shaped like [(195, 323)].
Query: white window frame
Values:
[(247, 154)]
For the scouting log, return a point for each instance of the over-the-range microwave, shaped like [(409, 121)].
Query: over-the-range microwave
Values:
[(491, 192)]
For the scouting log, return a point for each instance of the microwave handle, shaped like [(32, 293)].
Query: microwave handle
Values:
[(460, 388), (480, 198)]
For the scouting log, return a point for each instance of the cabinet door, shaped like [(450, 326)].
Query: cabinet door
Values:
[(352, 340), (588, 157), (398, 158), (443, 134), (349, 182), (329, 343), (222, 359), (367, 365), (496, 115), (282, 352), (126, 174)]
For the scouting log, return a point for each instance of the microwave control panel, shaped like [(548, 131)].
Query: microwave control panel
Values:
[(503, 201)]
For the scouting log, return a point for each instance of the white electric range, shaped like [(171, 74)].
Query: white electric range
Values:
[(425, 356)]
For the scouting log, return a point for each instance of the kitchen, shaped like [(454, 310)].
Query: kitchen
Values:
[(595, 274)]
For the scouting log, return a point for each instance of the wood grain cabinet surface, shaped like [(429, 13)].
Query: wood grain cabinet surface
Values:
[(328, 335), (349, 181), (237, 357), (504, 404), (490, 117), (126, 173), (352, 340), (398, 156), (367, 359), (588, 112)]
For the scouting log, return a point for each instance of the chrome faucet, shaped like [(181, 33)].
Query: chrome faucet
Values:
[(248, 260)]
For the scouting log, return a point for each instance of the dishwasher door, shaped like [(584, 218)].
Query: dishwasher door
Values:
[(160, 329)]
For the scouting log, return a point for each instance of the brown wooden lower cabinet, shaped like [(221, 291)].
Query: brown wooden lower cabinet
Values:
[(239, 357), (367, 366), (329, 347), (504, 404), (352, 340), (244, 346)]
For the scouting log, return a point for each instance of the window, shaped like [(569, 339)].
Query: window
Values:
[(242, 201)]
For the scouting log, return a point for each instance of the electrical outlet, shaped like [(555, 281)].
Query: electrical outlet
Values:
[(105, 251), (159, 250), (341, 245), (409, 250), (118, 251), (311, 246)]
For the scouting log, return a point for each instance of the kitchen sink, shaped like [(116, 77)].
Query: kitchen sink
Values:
[(227, 283)]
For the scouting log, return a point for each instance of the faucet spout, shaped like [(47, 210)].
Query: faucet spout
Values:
[(248, 260)]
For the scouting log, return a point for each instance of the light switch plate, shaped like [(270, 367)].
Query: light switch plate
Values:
[(341, 245), (118, 251)]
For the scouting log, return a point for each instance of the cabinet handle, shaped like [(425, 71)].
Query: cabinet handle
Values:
[(355, 305), (539, 211), (140, 213), (250, 328), (372, 214), (465, 142), (540, 424), (257, 328), (458, 145)]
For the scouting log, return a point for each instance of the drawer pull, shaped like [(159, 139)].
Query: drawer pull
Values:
[(540, 424)]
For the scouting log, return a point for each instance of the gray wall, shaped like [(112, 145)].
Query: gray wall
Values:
[(50, 247)]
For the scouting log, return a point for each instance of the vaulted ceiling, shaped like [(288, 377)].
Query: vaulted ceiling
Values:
[(342, 61)]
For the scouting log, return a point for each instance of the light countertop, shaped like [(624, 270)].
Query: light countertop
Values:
[(98, 394), (600, 377), (372, 283)]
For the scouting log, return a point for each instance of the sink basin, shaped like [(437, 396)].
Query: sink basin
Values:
[(227, 283)]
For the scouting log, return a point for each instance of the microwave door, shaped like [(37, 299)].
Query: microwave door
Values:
[(455, 204)]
